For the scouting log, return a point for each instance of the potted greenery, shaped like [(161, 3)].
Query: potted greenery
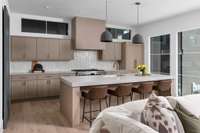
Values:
[(142, 68)]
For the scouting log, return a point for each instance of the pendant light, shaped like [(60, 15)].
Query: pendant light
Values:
[(138, 39), (106, 36)]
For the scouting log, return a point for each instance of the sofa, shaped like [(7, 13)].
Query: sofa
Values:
[(126, 118)]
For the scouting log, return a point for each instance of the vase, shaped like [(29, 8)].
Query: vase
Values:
[(143, 73)]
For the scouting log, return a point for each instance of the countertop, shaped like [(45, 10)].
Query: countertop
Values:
[(64, 73), (40, 73), (80, 81)]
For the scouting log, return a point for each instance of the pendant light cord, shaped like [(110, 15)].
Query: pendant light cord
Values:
[(138, 14), (106, 10)]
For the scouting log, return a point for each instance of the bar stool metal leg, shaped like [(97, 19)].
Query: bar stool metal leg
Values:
[(100, 104), (117, 100), (90, 113), (123, 99), (83, 116), (106, 102), (109, 100)]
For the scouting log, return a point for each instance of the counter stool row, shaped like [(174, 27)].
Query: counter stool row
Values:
[(100, 93)]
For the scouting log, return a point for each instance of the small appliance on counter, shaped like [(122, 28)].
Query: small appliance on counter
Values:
[(37, 67)]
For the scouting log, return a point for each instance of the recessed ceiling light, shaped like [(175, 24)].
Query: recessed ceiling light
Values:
[(47, 7)]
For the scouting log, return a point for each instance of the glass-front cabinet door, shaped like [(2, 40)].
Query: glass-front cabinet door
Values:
[(189, 62)]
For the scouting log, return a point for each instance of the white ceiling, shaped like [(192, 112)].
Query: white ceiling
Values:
[(121, 12)]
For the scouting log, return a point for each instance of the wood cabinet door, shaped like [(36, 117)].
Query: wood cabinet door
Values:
[(134, 56), (31, 90), (88, 33), (54, 89), (43, 87), (53, 49), (118, 51), (112, 52), (65, 50), (18, 89), (42, 49), (108, 52), (30, 48), (140, 54), (17, 48)]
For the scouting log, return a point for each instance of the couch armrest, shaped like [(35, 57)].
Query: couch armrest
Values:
[(117, 123)]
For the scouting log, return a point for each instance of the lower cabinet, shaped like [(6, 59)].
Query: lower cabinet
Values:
[(27, 88), (31, 90), (54, 88), (18, 89)]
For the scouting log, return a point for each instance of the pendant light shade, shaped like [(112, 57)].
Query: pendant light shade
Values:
[(138, 39), (106, 36)]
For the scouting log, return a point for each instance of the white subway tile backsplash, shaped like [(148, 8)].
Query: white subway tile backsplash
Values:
[(82, 60)]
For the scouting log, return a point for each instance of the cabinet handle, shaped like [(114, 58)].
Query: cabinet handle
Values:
[(24, 83)]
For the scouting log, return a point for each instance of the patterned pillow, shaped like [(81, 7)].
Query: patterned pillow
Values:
[(158, 115)]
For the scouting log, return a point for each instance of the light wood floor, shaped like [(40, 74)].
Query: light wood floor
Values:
[(40, 117), (44, 117)]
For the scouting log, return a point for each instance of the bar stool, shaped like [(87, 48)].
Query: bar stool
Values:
[(121, 91), (164, 88), (94, 93), (155, 87), (135, 89), (144, 89)]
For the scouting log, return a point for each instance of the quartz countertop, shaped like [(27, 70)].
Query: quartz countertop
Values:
[(81, 81)]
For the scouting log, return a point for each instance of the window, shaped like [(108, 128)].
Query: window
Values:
[(34, 26), (188, 62), (38, 26), (57, 28), (160, 54), (124, 34)]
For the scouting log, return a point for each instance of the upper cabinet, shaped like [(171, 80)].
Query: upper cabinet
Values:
[(132, 55), (23, 48), (65, 50), (86, 33), (43, 49), (112, 52)]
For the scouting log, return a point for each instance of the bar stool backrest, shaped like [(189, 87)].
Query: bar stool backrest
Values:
[(98, 92), (124, 90), (146, 87), (165, 85)]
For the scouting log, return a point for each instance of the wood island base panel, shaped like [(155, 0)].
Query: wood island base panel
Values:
[(70, 104)]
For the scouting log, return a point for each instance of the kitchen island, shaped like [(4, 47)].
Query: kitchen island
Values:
[(71, 90)]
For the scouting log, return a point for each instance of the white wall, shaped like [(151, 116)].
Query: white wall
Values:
[(170, 26)]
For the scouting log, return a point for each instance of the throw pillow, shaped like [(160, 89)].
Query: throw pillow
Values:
[(158, 115), (190, 123)]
